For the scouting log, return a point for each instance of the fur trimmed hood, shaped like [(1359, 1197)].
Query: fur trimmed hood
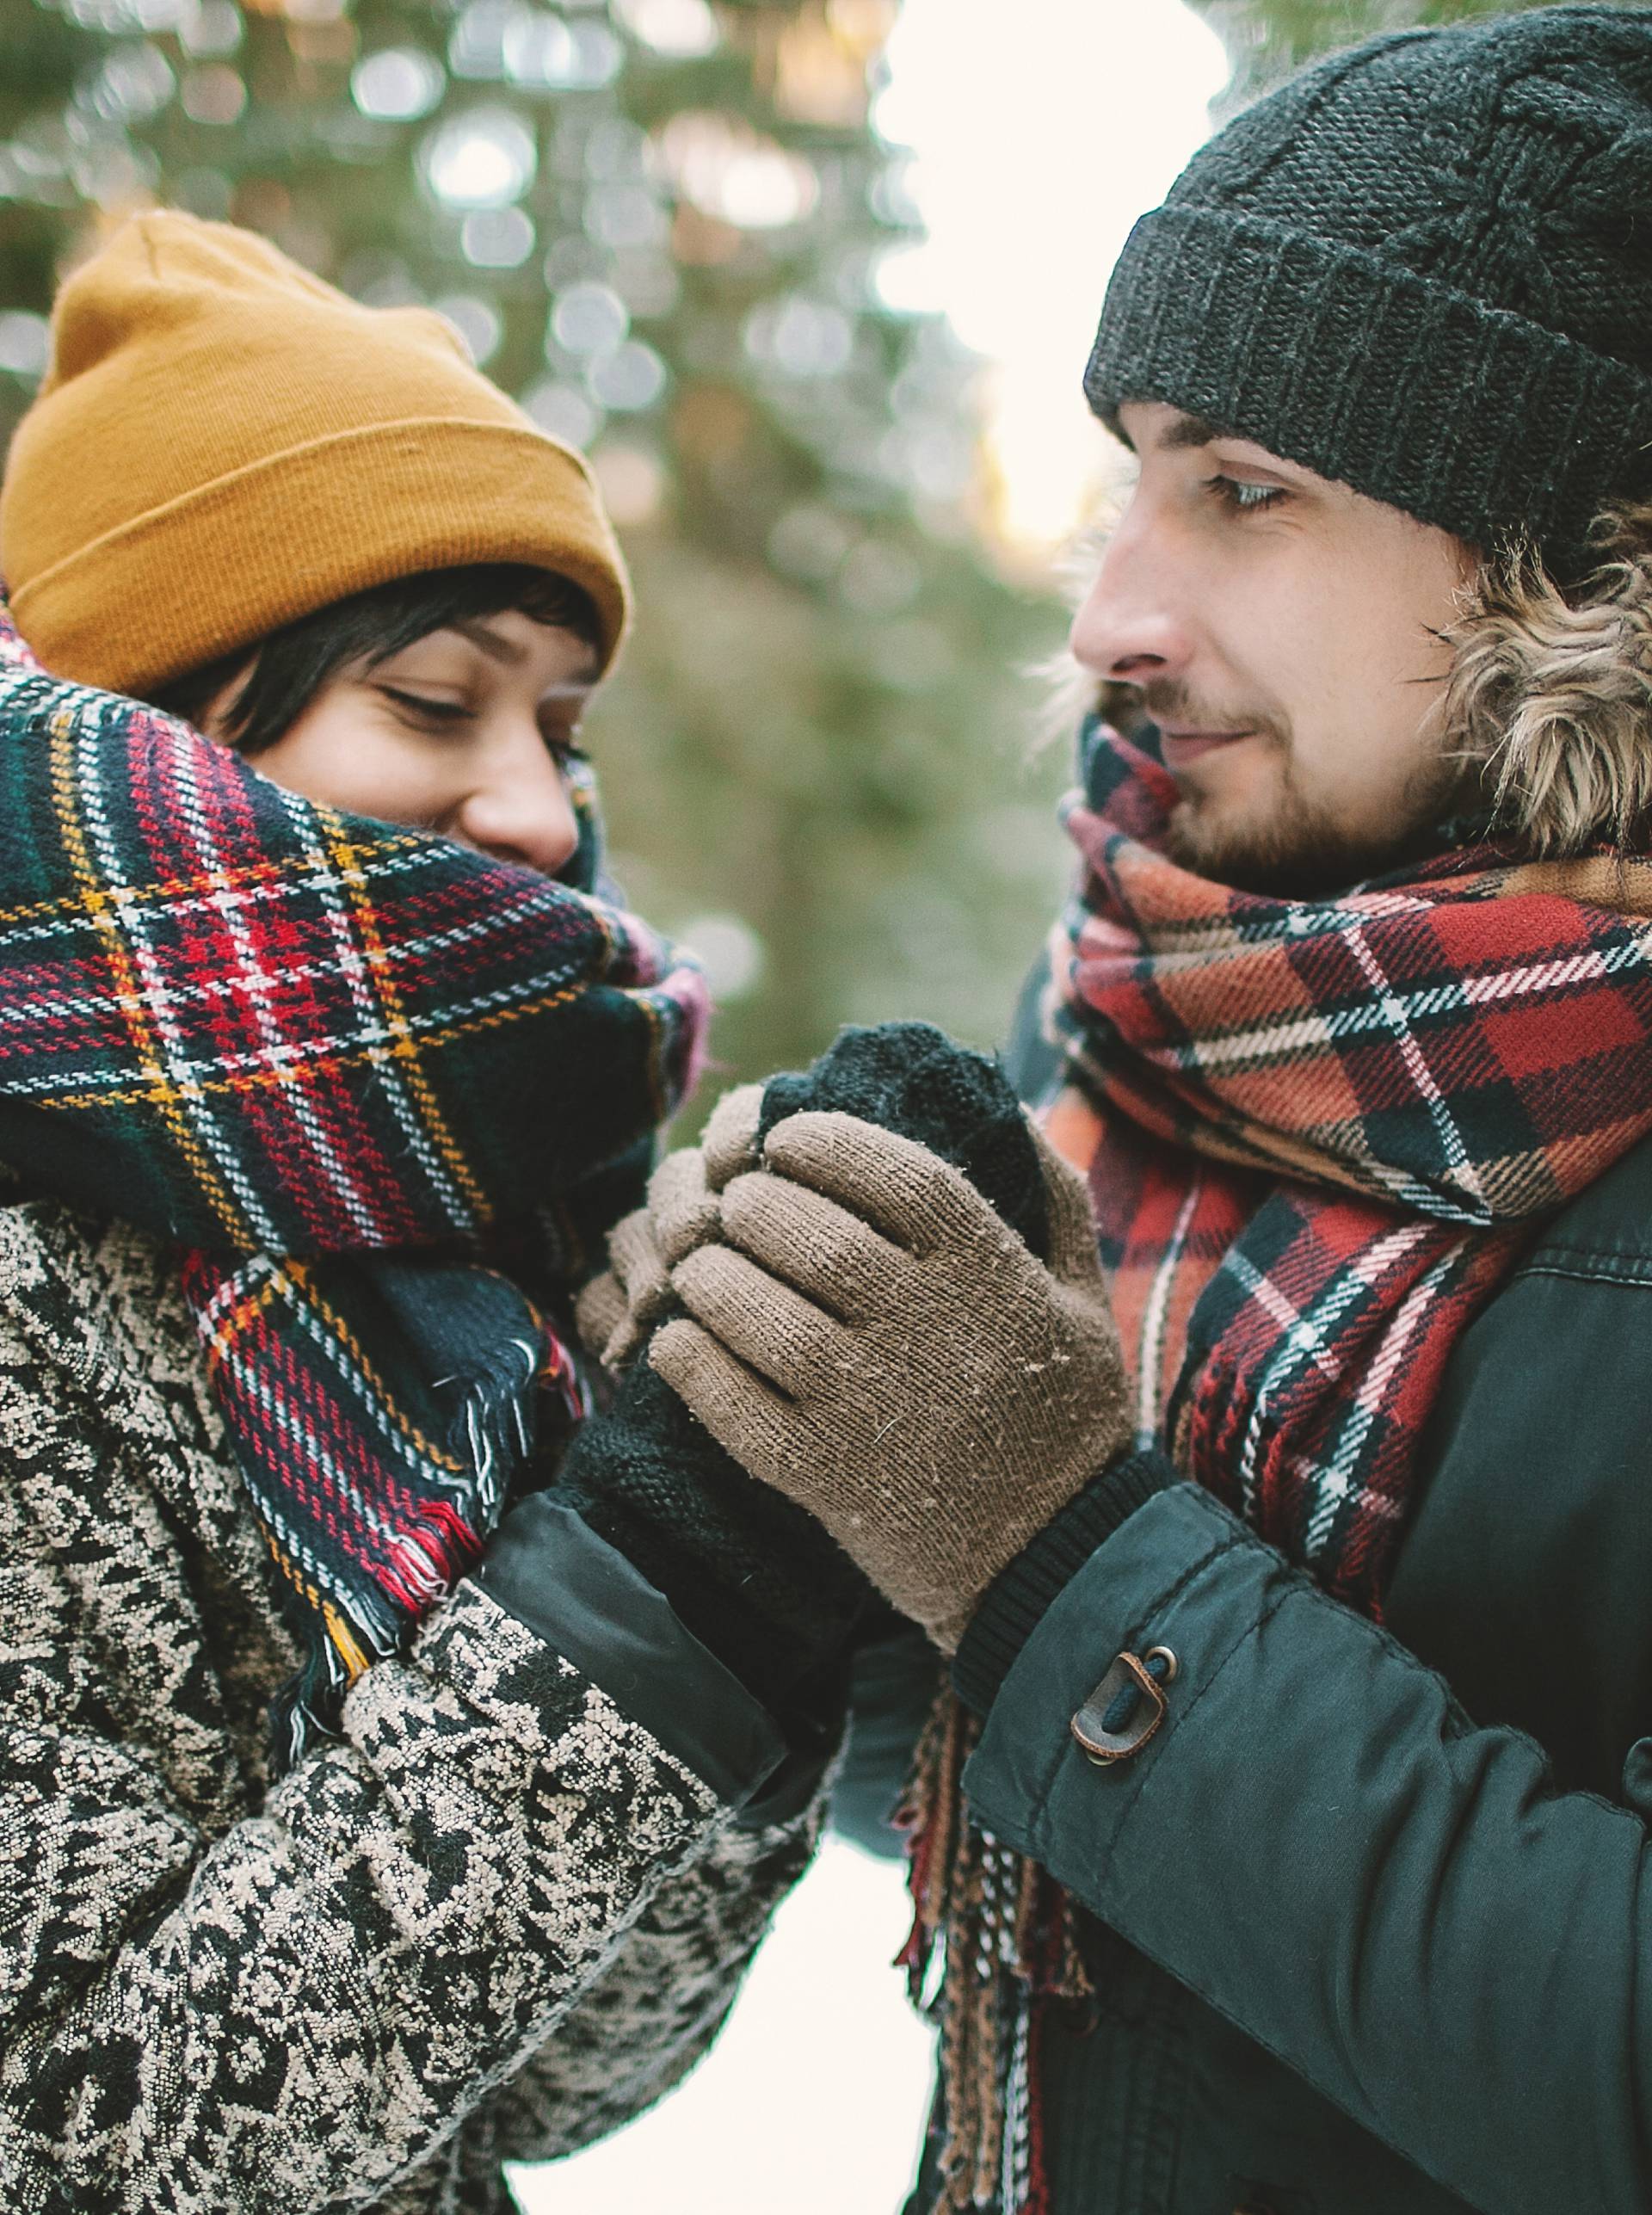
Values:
[(1552, 694)]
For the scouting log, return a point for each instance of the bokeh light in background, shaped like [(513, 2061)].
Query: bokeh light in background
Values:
[(1037, 135)]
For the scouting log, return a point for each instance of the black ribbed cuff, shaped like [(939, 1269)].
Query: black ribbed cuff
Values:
[(1014, 1602)]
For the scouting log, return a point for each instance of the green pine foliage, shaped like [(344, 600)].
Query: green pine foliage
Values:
[(1269, 39), (658, 223)]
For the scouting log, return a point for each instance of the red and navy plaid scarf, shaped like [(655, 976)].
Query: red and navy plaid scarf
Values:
[(383, 1094), (1317, 1135), (1319, 1132)]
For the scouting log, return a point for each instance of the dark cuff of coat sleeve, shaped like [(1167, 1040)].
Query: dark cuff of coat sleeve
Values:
[(588, 1602), (1014, 1602)]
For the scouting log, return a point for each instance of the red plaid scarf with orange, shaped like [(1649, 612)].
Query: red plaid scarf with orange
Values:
[(383, 1094), (1317, 1135)]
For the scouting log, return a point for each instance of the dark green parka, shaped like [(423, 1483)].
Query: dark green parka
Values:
[(1370, 1917)]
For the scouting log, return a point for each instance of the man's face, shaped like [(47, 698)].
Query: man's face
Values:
[(1282, 630)]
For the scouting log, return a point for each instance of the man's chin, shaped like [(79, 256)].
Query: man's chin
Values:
[(1299, 854)]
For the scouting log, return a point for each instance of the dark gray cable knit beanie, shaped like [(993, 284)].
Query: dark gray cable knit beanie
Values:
[(1423, 268)]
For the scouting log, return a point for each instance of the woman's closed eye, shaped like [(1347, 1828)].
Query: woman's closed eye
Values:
[(424, 708), (564, 740)]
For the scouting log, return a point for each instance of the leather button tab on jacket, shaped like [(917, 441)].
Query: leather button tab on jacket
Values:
[(1126, 1707)]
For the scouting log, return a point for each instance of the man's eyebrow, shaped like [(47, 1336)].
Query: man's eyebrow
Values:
[(1184, 431)]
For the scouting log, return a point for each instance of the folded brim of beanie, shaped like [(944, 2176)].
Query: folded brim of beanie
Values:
[(297, 530), (1480, 422)]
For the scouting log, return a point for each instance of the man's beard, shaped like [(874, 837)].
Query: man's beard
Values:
[(1299, 850)]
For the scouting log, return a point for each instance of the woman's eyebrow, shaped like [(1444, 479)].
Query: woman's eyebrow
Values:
[(501, 649), (492, 643)]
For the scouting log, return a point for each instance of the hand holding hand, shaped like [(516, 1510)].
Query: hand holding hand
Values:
[(616, 1310), (872, 1340)]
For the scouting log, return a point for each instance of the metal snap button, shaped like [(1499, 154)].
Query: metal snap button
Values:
[(1126, 1707)]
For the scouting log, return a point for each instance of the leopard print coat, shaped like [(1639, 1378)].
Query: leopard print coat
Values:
[(489, 1922)]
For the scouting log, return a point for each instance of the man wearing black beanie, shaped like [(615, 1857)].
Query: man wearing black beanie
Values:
[(1282, 1849)]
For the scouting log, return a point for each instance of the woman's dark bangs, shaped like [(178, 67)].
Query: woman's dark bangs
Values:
[(292, 664)]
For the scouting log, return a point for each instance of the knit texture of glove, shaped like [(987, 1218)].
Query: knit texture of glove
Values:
[(876, 1342), (753, 1577)]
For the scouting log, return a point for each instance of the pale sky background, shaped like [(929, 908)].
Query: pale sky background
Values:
[(1039, 133)]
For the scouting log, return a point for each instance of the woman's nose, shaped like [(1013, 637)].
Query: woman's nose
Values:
[(520, 809)]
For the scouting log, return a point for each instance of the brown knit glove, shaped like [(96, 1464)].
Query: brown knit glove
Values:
[(616, 1312), (873, 1341)]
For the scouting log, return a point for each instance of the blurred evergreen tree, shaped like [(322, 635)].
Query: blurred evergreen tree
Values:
[(1269, 39), (658, 223)]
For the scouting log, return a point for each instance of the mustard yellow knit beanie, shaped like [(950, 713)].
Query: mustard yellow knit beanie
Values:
[(223, 443)]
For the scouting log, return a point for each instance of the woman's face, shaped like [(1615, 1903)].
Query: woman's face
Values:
[(467, 731)]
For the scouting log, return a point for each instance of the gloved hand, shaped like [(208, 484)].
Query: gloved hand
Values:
[(753, 1577), (616, 1310), (870, 1338)]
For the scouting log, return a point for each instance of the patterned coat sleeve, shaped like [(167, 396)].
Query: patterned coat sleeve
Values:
[(289, 2010), (660, 2003)]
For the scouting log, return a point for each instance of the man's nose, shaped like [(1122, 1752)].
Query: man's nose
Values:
[(1130, 628), (520, 809)]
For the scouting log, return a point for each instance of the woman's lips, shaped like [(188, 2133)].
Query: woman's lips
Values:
[(1180, 746)]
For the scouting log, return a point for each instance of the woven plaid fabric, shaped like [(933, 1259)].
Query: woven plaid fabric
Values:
[(1318, 1133), (383, 1092)]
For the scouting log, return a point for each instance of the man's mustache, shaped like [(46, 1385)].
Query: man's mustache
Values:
[(1168, 702)]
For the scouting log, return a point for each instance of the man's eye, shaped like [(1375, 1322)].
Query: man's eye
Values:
[(428, 710), (1245, 499), (565, 744)]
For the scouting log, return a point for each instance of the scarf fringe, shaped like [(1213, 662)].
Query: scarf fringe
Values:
[(1001, 1935)]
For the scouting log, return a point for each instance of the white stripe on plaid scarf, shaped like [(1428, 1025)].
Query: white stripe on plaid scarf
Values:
[(1306, 1335), (1153, 1390), (131, 918), (1332, 1484), (1459, 1162), (370, 1013), (374, 1043), (1283, 1039), (251, 982)]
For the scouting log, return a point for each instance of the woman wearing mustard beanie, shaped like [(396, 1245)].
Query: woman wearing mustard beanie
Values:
[(372, 1820)]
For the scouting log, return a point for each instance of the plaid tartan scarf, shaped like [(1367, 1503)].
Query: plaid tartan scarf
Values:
[(1318, 1133), (383, 1094)]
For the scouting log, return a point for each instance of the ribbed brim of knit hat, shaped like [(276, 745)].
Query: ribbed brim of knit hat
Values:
[(1464, 415), (1422, 268)]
